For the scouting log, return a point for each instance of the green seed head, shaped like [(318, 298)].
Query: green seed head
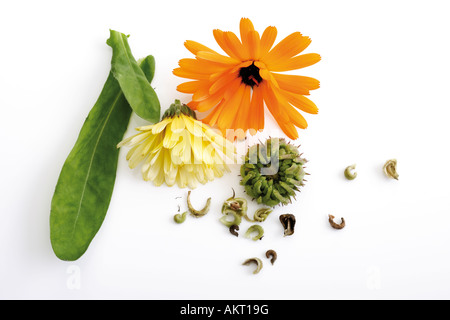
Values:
[(273, 172), (176, 109)]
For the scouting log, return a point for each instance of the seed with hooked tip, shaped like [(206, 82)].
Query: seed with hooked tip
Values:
[(180, 218), (390, 169), (254, 228), (334, 224), (258, 263), (233, 230), (349, 172), (273, 254), (198, 213)]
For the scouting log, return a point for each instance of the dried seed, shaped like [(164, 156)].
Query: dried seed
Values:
[(334, 224), (254, 228), (237, 218), (180, 218), (237, 207), (349, 172), (390, 169), (288, 222), (233, 230), (262, 214), (258, 263), (198, 213), (273, 254)]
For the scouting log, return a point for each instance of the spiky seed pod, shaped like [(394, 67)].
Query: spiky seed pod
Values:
[(272, 172)]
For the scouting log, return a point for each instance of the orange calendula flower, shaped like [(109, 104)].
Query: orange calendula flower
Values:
[(235, 86)]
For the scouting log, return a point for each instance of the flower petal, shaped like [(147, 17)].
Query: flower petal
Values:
[(245, 26), (301, 102), (221, 82), (193, 126), (288, 47), (236, 46), (160, 126), (243, 113), (180, 72), (195, 47), (296, 118), (256, 119), (219, 35), (298, 62), (200, 66), (268, 39), (212, 117), (273, 103), (215, 57), (177, 124), (191, 86), (226, 119), (296, 84), (254, 45)]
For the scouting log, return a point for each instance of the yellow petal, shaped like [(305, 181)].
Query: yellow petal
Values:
[(145, 128), (160, 126), (177, 124), (193, 126)]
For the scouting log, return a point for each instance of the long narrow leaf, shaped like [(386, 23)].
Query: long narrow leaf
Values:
[(85, 185)]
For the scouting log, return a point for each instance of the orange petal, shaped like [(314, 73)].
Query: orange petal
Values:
[(301, 61), (221, 82), (235, 45), (212, 117), (268, 39), (296, 118), (189, 75), (268, 76), (243, 113), (195, 47), (232, 89), (231, 106), (211, 101), (290, 46), (273, 104), (296, 84), (192, 105), (219, 36), (201, 94), (190, 86), (245, 27), (254, 45), (289, 129), (215, 57), (200, 66), (256, 118), (301, 102)]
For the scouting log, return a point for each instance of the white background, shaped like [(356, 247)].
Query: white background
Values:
[(384, 94)]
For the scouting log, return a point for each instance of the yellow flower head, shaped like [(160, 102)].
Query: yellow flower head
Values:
[(235, 86), (179, 149)]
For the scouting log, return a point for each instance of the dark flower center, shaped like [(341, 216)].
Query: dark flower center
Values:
[(250, 75)]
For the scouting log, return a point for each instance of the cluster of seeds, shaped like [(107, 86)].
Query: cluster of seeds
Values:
[(272, 172)]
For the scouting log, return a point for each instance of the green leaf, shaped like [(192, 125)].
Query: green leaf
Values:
[(148, 67), (85, 185), (133, 82)]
